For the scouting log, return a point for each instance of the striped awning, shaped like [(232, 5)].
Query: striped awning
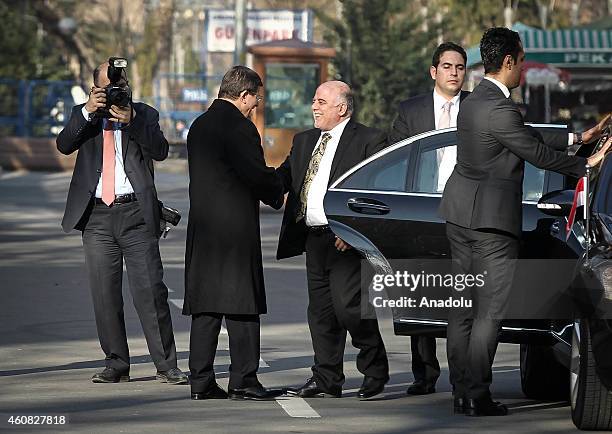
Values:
[(535, 40), (565, 47)]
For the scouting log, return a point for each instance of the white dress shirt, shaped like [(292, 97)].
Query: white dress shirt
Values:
[(506, 91), (447, 157), (439, 102), (315, 214), (122, 183)]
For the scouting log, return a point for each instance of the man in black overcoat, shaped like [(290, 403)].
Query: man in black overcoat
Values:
[(113, 201), (318, 157), (223, 262)]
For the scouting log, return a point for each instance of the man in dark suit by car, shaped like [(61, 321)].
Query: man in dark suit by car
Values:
[(228, 177), (318, 157), (482, 205), (112, 200), (432, 111)]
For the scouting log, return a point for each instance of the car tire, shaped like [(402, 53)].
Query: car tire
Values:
[(543, 377), (591, 401)]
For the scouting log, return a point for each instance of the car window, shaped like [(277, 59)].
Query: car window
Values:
[(387, 173), (434, 167), (435, 161), (533, 183)]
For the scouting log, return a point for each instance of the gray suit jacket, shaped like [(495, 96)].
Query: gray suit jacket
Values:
[(485, 188)]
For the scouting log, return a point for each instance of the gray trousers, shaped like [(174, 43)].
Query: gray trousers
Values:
[(111, 236), (472, 333)]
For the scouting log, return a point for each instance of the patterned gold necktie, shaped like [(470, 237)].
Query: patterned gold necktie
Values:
[(313, 168)]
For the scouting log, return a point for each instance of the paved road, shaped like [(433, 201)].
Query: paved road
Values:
[(49, 347)]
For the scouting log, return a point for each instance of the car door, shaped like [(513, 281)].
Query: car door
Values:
[(392, 201), (379, 199)]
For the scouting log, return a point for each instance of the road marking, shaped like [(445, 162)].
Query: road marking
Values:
[(507, 370), (15, 174), (296, 407)]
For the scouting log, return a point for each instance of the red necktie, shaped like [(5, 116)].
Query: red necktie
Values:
[(108, 166)]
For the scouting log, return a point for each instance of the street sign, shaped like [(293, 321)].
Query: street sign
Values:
[(262, 26), (194, 94)]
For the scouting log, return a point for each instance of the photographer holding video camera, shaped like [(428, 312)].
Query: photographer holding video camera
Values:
[(113, 201)]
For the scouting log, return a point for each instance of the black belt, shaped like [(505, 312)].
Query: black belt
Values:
[(121, 198), (318, 230)]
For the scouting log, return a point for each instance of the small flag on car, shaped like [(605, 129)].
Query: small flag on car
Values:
[(579, 200)]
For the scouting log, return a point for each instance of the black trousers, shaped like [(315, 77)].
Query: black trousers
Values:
[(472, 333), (425, 365), (334, 307), (111, 236), (243, 331)]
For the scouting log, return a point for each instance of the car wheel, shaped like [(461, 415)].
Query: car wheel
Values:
[(591, 400), (542, 376)]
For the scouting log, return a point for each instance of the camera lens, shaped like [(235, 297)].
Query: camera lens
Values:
[(118, 96)]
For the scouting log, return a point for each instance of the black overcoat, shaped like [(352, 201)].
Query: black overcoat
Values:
[(228, 177)]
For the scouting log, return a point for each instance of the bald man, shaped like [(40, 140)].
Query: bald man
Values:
[(112, 200), (318, 157)]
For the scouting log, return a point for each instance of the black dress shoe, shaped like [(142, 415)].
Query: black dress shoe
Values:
[(420, 388), (371, 386), (172, 376), (485, 407), (312, 390), (255, 393), (459, 405), (212, 392), (110, 375)]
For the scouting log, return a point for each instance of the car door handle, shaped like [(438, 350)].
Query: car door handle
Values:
[(367, 206), (554, 228)]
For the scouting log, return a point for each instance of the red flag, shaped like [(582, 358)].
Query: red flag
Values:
[(579, 200)]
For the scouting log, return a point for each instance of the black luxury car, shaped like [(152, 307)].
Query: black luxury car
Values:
[(387, 208)]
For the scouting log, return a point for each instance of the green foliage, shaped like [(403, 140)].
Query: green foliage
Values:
[(192, 60), (384, 52), (26, 52)]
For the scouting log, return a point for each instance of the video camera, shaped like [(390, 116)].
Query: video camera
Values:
[(117, 92)]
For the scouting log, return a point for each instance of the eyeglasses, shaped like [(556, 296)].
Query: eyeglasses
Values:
[(258, 98)]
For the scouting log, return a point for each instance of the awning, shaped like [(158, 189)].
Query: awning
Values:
[(582, 48)]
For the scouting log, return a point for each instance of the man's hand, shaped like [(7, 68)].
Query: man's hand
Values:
[(97, 99), (341, 245), (121, 114), (595, 132), (598, 157)]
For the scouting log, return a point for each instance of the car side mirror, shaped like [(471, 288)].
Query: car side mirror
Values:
[(557, 203)]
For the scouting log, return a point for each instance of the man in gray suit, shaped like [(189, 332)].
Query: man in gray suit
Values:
[(482, 205)]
